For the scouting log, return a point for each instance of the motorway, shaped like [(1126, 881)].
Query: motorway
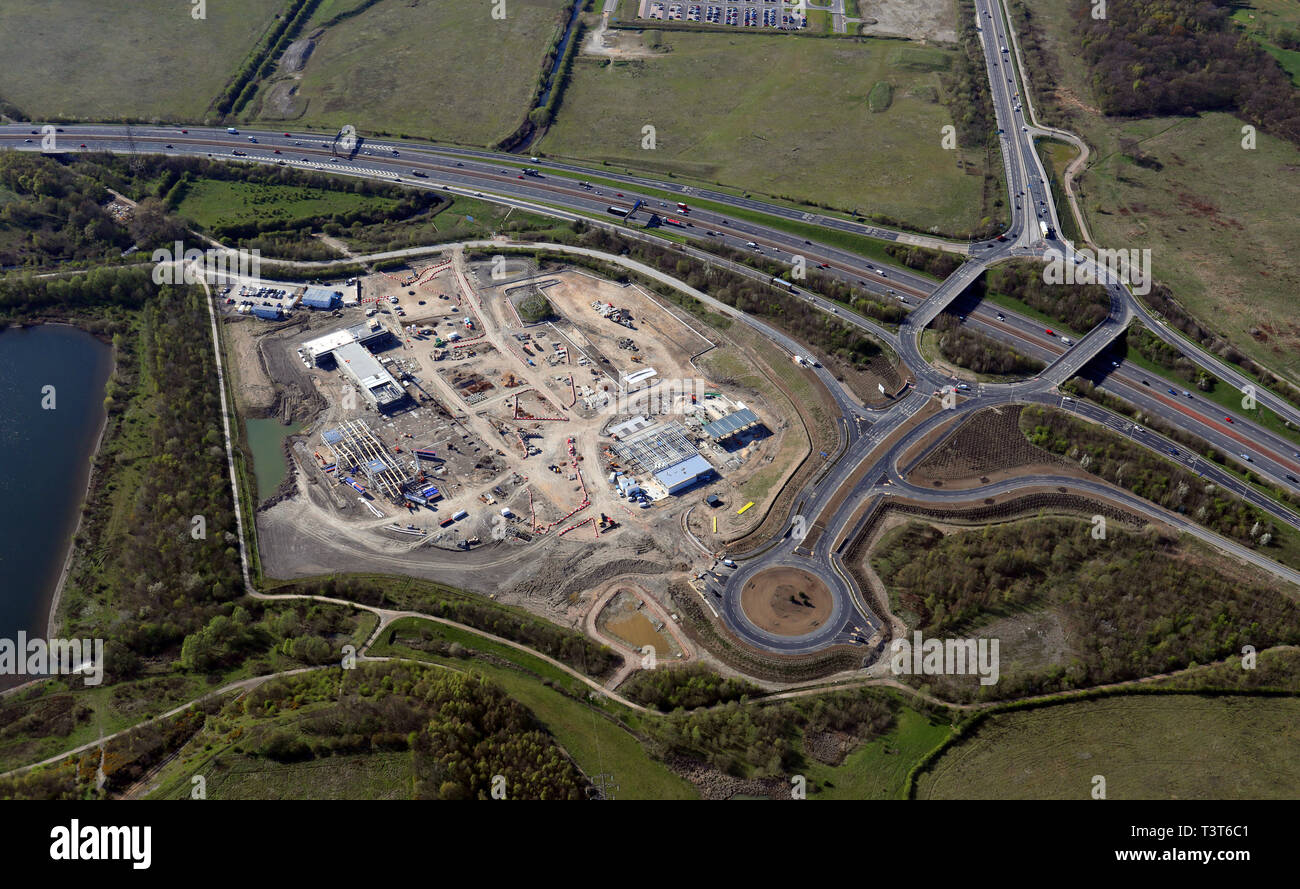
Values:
[(558, 189)]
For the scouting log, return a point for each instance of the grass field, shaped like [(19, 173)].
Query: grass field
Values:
[(596, 743), (354, 777), (146, 59), (441, 69), (878, 769), (1146, 747), (779, 116), (1262, 16), (328, 9), (1219, 219), (212, 202)]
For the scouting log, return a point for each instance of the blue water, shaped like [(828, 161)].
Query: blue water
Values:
[(45, 458)]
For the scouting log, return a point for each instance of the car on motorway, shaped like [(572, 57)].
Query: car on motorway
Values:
[(1227, 419), (252, 138), (185, 132), (1001, 317), (1049, 332), (1246, 457), (1173, 392), (83, 144)]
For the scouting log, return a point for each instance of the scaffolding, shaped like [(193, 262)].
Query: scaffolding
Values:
[(657, 448), (356, 448)]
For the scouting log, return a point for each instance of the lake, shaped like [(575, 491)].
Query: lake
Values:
[(47, 442)]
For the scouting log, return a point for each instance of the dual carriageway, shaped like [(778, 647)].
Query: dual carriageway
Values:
[(869, 455)]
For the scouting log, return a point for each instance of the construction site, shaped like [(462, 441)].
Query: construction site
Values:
[(439, 426)]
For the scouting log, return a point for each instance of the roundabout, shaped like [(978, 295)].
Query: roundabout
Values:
[(787, 601)]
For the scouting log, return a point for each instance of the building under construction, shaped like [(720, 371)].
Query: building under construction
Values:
[(349, 349), (360, 456), (664, 451)]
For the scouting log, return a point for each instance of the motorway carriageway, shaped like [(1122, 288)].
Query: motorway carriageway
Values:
[(1125, 382), (735, 234)]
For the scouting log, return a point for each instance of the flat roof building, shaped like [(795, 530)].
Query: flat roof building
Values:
[(321, 349), (376, 384), (683, 475), (321, 298)]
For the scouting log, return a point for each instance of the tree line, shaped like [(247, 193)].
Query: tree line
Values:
[(1157, 57), (1077, 306), (974, 351), (566, 646), (684, 687), (1128, 604), (1134, 468)]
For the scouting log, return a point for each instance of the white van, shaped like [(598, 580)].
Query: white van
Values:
[(1067, 341)]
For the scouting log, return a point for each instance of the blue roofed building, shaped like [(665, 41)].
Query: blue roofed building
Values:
[(321, 298)]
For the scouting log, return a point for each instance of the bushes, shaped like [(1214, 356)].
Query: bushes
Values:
[(534, 308), (974, 351), (684, 687), (1077, 306)]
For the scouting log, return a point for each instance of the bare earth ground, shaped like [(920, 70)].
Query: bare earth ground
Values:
[(987, 448), (917, 19), (319, 527), (786, 601)]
